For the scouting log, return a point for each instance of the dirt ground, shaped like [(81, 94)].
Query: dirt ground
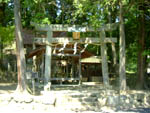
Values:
[(9, 88)]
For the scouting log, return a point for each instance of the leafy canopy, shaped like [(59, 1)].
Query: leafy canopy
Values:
[(7, 34)]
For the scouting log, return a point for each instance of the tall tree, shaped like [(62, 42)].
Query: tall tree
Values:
[(21, 64), (122, 71), (141, 42)]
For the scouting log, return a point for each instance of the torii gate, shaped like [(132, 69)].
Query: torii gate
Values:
[(49, 40)]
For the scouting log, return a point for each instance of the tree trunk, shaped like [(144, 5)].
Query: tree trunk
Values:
[(1, 49), (2, 13), (2, 23), (21, 64), (141, 58), (122, 71)]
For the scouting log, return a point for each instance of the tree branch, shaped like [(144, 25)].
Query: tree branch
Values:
[(130, 5)]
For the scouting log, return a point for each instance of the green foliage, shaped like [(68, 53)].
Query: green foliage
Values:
[(39, 11), (92, 10), (7, 34), (147, 53), (39, 18), (6, 1)]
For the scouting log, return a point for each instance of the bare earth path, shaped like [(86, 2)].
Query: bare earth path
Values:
[(7, 89)]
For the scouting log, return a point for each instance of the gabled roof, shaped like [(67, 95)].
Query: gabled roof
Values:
[(92, 59), (41, 50)]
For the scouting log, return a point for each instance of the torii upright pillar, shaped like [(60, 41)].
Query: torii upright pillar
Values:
[(104, 59), (48, 57)]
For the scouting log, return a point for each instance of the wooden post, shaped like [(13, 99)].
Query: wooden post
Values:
[(114, 57), (73, 68), (67, 68), (104, 59), (80, 74), (48, 57), (114, 53), (42, 65), (34, 60)]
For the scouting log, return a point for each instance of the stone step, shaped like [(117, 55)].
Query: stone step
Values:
[(78, 105), (77, 101), (83, 94), (84, 99)]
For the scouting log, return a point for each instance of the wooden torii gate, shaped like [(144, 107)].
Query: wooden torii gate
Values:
[(49, 40)]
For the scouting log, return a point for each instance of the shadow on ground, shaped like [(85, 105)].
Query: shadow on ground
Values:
[(137, 110), (7, 87)]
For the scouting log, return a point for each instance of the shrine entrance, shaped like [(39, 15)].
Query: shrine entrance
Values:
[(71, 55)]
